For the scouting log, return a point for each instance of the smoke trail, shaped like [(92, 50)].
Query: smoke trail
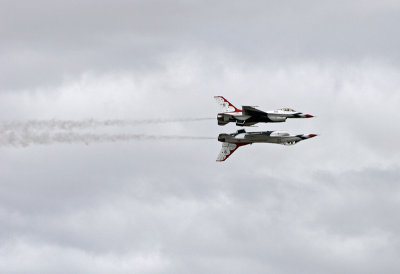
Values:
[(26, 138), (85, 124)]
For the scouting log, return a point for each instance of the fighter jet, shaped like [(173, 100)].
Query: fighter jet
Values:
[(248, 115), (231, 142)]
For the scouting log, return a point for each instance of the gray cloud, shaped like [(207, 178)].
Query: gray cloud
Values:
[(278, 226), (46, 42), (326, 205)]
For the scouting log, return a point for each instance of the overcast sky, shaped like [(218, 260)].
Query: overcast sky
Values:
[(326, 205)]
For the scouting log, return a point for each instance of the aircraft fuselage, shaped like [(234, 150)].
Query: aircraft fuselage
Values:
[(275, 137)]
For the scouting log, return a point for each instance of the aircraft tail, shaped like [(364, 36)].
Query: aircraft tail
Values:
[(225, 105), (228, 149)]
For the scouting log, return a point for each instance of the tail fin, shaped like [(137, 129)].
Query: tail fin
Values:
[(226, 105), (228, 149)]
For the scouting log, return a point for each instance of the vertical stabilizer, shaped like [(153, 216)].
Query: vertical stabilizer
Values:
[(225, 105)]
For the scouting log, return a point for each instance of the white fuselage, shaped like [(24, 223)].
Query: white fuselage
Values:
[(246, 119), (275, 137)]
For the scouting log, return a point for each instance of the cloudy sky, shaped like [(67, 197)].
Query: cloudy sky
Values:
[(326, 205)]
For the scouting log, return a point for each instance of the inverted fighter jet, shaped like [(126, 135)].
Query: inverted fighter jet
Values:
[(248, 115), (230, 142)]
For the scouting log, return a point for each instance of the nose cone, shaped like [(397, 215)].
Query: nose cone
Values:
[(312, 135), (309, 116)]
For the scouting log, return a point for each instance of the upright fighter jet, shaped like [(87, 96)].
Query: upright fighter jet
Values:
[(230, 142), (248, 116)]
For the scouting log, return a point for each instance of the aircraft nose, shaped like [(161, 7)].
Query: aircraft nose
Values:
[(309, 116), (312, 135)]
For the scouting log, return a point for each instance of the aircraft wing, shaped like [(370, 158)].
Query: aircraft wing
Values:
[(247, 110), (227, 150)]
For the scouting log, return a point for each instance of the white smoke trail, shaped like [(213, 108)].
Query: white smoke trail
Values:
[(26, 138), (85, 124)]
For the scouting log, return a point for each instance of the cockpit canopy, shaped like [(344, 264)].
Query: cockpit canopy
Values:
[(288, 109)]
